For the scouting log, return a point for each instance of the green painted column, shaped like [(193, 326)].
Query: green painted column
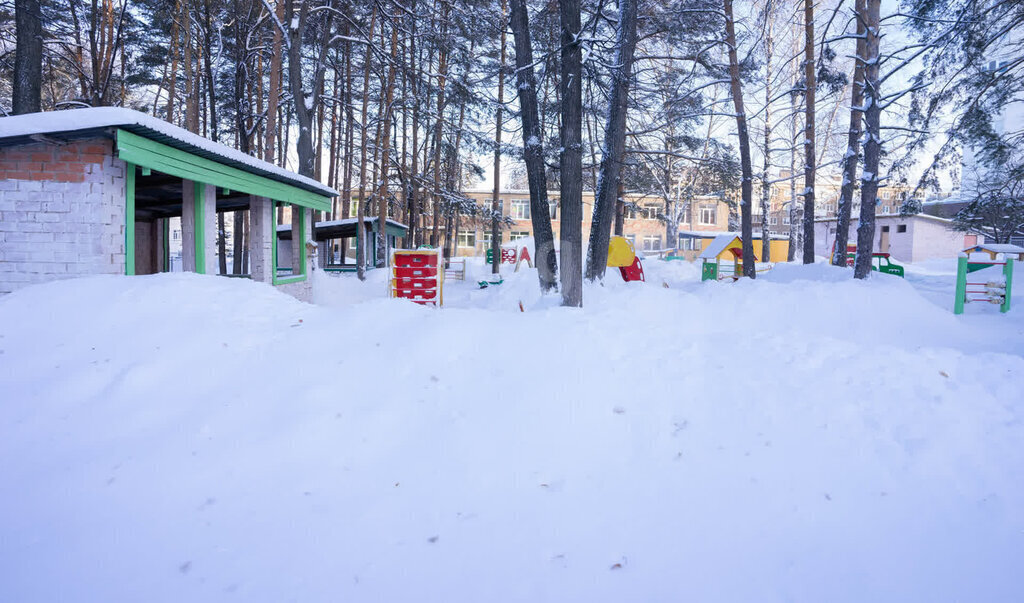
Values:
[(198, 226), (961, 284), (1008, 273)]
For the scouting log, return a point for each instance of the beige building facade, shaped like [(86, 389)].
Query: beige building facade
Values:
[(641, 225)]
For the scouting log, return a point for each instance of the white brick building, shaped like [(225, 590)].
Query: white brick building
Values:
[(92, 191), (908, 238)]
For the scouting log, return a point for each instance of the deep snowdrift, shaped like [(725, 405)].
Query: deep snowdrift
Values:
[(802, 437)]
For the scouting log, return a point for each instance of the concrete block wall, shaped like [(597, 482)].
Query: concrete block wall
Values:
[(260, 242), (302, 290), (62, 212), (261, 266)]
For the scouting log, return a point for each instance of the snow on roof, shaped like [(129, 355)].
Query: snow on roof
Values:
[(891, 217), (997, 248), (92, 118), (707, 234), (717, 246)]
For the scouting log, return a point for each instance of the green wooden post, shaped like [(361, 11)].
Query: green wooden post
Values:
[(199, 226), (961, 284), (129, 219), (1008, 273), (709, 271)]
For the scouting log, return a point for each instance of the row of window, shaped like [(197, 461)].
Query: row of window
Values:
[(468, 239), (707, 215)]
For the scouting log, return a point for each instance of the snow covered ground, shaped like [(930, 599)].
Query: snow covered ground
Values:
[(802, 437)]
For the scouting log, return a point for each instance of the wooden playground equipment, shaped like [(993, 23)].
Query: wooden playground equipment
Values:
[(993, 291), (417, 275), (455, 269), (723, 247)]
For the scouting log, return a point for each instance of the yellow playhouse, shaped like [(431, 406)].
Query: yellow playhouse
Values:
[(722, 247)]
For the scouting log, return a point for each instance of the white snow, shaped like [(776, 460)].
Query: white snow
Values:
[(193, 438), (717, 246), (73, 120)]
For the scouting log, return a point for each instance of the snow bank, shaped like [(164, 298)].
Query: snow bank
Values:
[(189, 438)]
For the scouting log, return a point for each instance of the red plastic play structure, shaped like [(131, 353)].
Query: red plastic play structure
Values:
[(634, 272), (415, 276), (621, 255)]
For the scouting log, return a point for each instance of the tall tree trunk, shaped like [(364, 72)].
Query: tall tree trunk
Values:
[(620, 209), (172, 86), (810, 159), (274, 89), (495, 200), (746, 186), (346, 179), (415, 235), (211, 94), (852, 148), (571, 155), (305, 100), (872, 141), (793, 236), (533, 147), (382, 193), (28, 58), (766, 187), (191, 77), (242, 25), (361, 204), (442, 78), (608, 180)]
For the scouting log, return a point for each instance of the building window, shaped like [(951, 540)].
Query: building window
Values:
[(487, 239), (520, 209), (515, 235), (901, 228), (467, 239), (773, 220), (652, 243), (886, 194), (885, 209), (632, 239), (708, 215), (553, 207), (785, 220), (649, 212), (352, 243), (176, 235), (885, 229)]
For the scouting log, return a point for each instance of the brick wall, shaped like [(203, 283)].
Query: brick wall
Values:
[(62, 212)]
